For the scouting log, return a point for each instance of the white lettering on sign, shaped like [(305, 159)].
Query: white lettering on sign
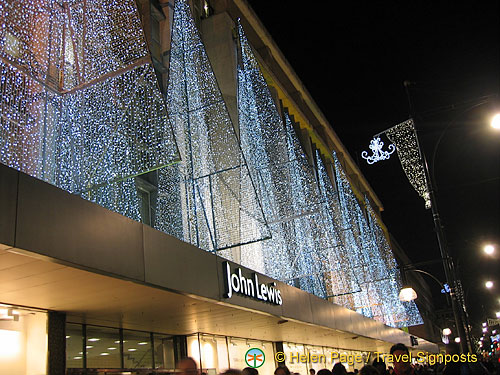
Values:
[(250, 287)]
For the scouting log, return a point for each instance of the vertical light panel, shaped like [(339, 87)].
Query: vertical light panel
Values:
[(211, 186)]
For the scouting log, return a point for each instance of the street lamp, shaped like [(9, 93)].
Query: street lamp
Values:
[(405, 140), (495, 122), (488, 284), (489, 249), (407, 294), (446, 332)]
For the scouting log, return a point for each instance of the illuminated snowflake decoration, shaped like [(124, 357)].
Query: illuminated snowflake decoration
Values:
[(376, 146)]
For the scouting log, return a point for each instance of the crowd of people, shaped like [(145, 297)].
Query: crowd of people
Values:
[(378, 367)]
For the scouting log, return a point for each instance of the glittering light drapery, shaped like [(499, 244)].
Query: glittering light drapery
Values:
[(80, 108), (211, 186), (322, 239), (284, 182), (372, 261), (405, 138), (80, 103)]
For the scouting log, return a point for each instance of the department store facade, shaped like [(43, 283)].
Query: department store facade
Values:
[(165, 192)]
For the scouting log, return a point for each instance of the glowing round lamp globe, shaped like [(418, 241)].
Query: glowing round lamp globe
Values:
[(495, 121), (488, 284), (407, 294), (446, 331), (457, 339), (489, 249)]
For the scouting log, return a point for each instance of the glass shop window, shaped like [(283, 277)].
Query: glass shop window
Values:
[(322, 362), (145, 192), (74, 345), (137, 350), (23, 341), (103, 347), (164, 352), (290, 349), (238, 347)]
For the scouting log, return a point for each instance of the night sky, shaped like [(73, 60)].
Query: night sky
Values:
[(353, 57)]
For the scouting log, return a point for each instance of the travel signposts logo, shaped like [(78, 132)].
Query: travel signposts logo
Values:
[(255, 357)]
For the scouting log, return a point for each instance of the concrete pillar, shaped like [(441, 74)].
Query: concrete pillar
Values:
[(180, 348), (279, 348), (56, 334)]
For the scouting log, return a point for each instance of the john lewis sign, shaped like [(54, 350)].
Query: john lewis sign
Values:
[(236, 283)]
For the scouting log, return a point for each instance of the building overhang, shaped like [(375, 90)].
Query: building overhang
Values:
[(62, 253)]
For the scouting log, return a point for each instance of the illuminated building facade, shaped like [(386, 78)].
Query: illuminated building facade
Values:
[(166, 113)]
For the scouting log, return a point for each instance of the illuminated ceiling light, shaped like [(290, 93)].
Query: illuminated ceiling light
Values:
[(89, 347), (77, 357), (143, 343), (111, 348), (488, 284), (94, 339), (407, 294), (446, 331), (132, 350), (68, 337), (104, 353)]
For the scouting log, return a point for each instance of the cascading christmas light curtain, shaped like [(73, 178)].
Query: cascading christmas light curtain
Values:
[(321, 239), (372, 261), (211, 186), (80, 105), (284, 183), (81, 109)]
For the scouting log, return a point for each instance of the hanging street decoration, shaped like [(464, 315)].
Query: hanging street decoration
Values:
[(405, 138), (378, 154), (405, 141)]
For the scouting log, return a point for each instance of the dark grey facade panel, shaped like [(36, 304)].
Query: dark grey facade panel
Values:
[(63, 226), (8, 204), (173, 264)]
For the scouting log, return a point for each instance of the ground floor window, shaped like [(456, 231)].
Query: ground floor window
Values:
[(215, 354), (94, 347), (23, 341)]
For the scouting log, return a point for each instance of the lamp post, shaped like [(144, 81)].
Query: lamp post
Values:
[(405, 140), (420, 178)]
